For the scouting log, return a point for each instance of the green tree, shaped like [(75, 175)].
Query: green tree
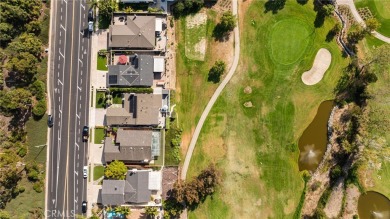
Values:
[(24, 64), (15, 99), (151, 212), (228, 21), (7, 33), (38, 89), (34, 27), (123, 210), (372, 24), (94, 4), (39, 108), (27, 42), (4, 214), (216, 71), (106, 7), (328, 9), (116, 170)]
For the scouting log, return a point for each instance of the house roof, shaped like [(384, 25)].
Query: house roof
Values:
[(114, 151), (113, 192), (134, 189), (139, 72), (138, 32), (137, 109)]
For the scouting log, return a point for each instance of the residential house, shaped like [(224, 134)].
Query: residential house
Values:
[(132, 146), (137, 188)]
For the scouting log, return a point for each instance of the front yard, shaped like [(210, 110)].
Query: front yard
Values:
[(99, 135), (102, 63)]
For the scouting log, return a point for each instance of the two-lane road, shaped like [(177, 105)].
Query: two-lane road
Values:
[(69, 93)]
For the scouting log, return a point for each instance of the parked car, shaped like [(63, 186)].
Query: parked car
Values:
[(85, 133), (90, 26), (85, 172), (84, 207), (50, 121)]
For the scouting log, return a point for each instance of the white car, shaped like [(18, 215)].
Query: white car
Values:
[(85, 172)]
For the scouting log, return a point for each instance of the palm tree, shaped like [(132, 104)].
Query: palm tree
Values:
[(123, 210), (151, 212)]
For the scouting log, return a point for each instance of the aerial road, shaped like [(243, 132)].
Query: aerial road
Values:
[(69, 94)]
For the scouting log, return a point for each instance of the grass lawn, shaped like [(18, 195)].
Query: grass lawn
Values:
[(102, 63), (100, 96), (380, 9), (195, 38), (256, 147), (99, 135), (26, 201), (36, 135), (98, 172), (117, 98)]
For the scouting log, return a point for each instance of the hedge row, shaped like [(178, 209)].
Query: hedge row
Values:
[(147, 90)]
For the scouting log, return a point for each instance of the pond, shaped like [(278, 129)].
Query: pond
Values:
[(312, 143), (373, 205)]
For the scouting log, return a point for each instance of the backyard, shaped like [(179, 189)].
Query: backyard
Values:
[(256, 145), (380, 9)]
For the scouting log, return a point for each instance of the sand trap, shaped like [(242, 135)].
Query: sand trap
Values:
[(317, 71)]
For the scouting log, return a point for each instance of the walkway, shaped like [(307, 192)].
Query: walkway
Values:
[(357, 17), (214, 97)]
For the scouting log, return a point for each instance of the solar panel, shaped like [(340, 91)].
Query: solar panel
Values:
[(112, 79)]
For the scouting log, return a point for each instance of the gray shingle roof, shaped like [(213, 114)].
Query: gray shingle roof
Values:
[(139, 32), (146, 110), (131, 146), (140, 74), (113, 192), (132, 190)]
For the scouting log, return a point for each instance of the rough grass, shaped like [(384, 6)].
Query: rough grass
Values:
[(36, 135), (380, 9), (26, 201), (256, 147), (102, 63), (194, 36), (98, 172), (99, 135)]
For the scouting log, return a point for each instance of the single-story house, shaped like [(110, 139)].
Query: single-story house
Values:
[(132, 146), (137, 188), (133, 32)]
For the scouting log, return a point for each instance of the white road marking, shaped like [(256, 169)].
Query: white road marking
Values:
[(60, 82), (78, 116), (75, 172), (80, 97), (80, 61), (79, 88), (59, 50), (60, 41), (61, 17), (58, 66), (81, 33), (60, 32), (80, 105), (62, 27), (59, 58), (82, 7)]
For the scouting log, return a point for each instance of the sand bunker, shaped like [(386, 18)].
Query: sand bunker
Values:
[(317, 71)]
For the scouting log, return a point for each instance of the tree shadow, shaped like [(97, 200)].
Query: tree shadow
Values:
[(274, 6), (320, 16), (330, 36), (220, 34), (302, 2)]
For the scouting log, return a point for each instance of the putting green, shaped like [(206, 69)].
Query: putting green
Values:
[(383, 8), (289, 40)]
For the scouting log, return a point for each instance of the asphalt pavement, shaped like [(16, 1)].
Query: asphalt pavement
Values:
[(69, 79)]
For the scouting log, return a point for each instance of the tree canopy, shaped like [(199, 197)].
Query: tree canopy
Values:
[(216, 71), (151, 211), (372, 24), (15, 99), (27, 42), (24, 64), (228, 21), (116, 170)]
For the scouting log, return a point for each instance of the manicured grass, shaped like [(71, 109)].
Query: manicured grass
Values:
[(380, 9), (98, 172), (36, 136), (102, 63), (117, 98), (289, 40), (99, 135), (255, 148), (100, 99), (26, 201)]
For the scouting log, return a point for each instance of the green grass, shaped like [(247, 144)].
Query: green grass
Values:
[(117, 98), (380, 9), (98, 172), (169, 150), (36, 135), (99, 135), (194, 36), (100, 99), (102, 63), (26, 201), (252, 146)]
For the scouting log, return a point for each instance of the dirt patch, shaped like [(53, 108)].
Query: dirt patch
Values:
[(248, 104), (185, 141), (169, 178), (321, 64), (351, 201), (200, 47), (248, 90), (333, 207), (196, 20)]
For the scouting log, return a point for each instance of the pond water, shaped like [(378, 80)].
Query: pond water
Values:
[(312, 143), (373, 205)]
